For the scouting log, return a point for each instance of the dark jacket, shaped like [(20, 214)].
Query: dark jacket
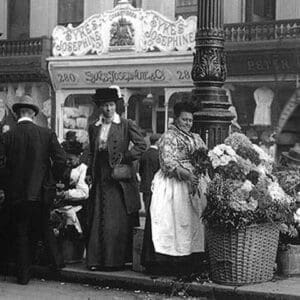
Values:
[(33, 160), (149, 165), (119, 137)]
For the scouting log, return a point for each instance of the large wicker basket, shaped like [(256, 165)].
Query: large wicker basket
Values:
[(243, 256)]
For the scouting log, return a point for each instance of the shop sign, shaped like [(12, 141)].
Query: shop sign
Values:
[(128, 77), (124, 28), (263, 62)]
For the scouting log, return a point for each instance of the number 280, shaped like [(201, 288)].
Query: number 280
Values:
[(183, 75), (66, 77)]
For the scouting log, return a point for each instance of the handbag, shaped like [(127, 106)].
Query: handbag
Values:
[(121, 171)]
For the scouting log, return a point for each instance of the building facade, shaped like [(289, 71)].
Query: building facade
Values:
[(262, 41)]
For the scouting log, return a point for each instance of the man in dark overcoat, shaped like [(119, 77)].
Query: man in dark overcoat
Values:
[(33, 159), (114, 203), (149, 165)]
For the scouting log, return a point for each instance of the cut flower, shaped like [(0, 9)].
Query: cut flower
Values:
[(243, 189), (221, 155)]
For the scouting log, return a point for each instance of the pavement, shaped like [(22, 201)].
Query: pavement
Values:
[(278, 289), (53, 290)]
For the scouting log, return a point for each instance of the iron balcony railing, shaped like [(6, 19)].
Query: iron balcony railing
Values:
[(32, 46), (262, 31), (234, 32)]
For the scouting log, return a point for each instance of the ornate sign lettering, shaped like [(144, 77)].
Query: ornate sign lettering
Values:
[(285, 61), (113, 77), (129, 76), (124, 27)]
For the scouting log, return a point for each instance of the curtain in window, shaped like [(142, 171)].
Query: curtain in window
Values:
[(260, 10)]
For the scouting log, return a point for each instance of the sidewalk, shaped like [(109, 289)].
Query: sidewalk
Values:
[(279, 289)]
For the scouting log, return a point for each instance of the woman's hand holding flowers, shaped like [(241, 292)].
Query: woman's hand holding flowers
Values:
[(186, 175)]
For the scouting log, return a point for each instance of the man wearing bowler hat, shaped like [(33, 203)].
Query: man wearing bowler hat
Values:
[(114, 200), (33, 158), (292, 157)]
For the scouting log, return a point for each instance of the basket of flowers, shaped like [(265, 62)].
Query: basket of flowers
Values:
[(245, 205)]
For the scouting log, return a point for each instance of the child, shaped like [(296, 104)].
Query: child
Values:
[(69, 215)]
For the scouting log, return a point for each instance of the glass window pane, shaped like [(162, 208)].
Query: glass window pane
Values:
[(18, 19), (70, 11)]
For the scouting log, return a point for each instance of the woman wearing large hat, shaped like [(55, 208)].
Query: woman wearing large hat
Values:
[(114, 203)]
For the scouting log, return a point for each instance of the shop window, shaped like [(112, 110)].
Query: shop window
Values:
[(140, 112), (78, 112), (186, 8), (145, 116), (161, 101), (70, 11), (18, 19), (160, 122), (260, 10)]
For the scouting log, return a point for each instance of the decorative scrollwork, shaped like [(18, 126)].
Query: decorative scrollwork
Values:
[(209, 65), (122, 33)]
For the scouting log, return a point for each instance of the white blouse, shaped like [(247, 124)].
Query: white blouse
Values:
[(81, 190)]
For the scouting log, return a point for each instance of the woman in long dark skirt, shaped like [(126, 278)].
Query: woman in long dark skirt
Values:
[(114, 204)]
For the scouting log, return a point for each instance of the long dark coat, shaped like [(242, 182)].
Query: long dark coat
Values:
[(149, 165), (112, 204), (31, 159)]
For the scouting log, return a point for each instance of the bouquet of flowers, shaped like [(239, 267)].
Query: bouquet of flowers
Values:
[(244, 189), (65, 223), (289, 179), (63, 218), (200, 161)]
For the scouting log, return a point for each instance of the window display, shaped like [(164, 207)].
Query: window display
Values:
[(77, 115)]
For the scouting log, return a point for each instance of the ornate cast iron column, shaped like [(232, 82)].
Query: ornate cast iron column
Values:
[(213, 118)]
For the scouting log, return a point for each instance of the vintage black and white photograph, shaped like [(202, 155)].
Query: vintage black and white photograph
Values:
[(150, 149)]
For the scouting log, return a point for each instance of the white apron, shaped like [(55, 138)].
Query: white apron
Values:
[(177, 228)]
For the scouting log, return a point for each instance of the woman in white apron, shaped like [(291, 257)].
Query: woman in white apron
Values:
[(174, 230)]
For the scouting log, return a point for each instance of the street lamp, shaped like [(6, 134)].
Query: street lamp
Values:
[(212, 118)]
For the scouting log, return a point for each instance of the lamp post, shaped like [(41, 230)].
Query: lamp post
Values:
[(212, 118)]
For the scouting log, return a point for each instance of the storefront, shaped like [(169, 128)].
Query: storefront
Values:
[(150, 58), (146, 55), (23, 70)]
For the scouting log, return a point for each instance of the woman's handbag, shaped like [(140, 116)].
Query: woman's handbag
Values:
[(121, 171)]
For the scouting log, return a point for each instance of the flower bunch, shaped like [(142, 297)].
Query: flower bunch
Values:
[(289, 180), (200, 161), (237, 140), (243, 190), (221, 155)]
